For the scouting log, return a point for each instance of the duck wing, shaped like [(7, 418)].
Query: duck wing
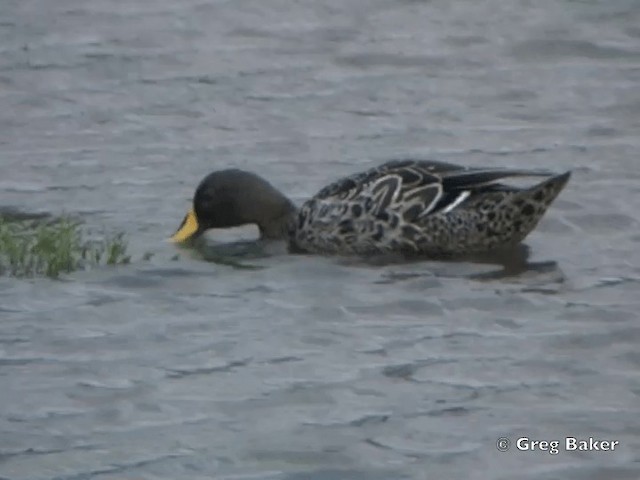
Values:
[(411, 184), (420, 172), (412, 173)]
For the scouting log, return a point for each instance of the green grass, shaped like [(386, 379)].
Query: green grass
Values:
[(49, 247)]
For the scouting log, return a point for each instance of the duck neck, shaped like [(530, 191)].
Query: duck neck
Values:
[(276, 226)]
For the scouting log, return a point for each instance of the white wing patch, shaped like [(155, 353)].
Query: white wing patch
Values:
[(459, 199)]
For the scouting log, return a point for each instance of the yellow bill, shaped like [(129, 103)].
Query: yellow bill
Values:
[(187, 228)]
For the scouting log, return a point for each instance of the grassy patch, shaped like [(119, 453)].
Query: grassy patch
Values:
[(50, 247)]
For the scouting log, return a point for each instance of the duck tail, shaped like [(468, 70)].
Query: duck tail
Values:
[(546, 192), (530, 204)]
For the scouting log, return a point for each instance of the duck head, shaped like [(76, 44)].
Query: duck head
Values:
[(232, 198)]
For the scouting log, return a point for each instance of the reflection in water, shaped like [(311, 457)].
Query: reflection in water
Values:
[(514, 262), (232, 254), (511, 262)]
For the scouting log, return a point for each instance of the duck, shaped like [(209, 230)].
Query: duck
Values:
[(420, 207)]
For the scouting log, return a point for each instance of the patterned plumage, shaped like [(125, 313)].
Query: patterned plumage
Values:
[(423, 207), (407, 206)]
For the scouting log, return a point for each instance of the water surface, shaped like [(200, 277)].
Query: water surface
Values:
[(310, 367)]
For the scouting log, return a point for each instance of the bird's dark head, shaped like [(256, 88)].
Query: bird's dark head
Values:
[(231, 198)]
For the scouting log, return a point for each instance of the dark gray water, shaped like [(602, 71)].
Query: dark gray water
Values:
[(318, 368)]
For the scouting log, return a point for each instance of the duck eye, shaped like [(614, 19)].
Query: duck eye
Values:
[(205, 198)]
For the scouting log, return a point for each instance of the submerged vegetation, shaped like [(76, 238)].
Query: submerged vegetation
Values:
[(51, 246)]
